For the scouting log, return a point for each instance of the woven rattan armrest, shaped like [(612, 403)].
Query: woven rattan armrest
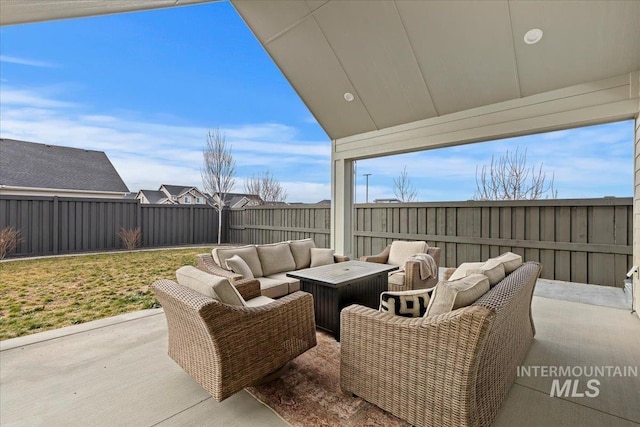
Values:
[(248, 288), (340, 258), (206, 263), (380, 258)]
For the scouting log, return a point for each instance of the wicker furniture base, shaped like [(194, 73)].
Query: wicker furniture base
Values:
[(454, 369)]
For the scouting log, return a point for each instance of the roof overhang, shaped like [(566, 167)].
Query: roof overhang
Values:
[(21, 11)]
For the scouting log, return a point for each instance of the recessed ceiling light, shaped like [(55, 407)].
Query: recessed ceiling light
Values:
[(348, 96), (533, 36)]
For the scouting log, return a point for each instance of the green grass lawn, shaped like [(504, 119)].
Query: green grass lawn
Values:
[(42, 294)]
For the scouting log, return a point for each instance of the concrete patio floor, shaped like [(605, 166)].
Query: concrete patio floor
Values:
[(116, 371)]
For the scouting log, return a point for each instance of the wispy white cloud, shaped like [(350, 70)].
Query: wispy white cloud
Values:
[(587, 162), (26, 61), (148, 153)]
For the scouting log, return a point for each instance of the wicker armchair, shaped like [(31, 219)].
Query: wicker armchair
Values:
[(226, 348), (409, 279), (454, 369)]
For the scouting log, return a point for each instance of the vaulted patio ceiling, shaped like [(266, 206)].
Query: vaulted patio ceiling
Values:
[(411, 60)]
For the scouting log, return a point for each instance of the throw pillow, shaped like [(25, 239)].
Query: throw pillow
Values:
[(301, 251), (405, 303), (228, 294), (451, 295), (239, 266), (248, 253), (275, 258), (320, 256)]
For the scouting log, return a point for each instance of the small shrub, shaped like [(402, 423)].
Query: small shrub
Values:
[(130, 238), (9, 240)]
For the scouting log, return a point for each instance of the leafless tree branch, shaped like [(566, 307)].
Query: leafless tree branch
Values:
[(218, 171), (402, 188), (267, 187), (510, 178)]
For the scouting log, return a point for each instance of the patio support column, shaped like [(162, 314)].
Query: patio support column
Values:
[(341, 204), (636, 206)]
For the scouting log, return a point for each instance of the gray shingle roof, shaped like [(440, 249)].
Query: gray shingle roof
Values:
[(154, 196), (176, 190), (29, 164)]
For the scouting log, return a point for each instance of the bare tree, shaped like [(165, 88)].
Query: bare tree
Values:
[(402, 188), (267, 187), (510, 178), (218, 170)]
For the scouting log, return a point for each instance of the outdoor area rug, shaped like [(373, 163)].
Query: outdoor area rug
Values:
[(309, 393)]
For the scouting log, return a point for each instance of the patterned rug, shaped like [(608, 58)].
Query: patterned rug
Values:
[(309, 393)]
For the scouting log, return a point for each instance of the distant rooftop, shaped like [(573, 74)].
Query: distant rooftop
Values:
[(34, 165)]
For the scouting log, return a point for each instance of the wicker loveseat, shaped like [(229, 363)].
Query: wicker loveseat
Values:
[(226, 348), (453, 369)]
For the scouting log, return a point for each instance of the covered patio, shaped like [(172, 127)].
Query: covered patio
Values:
[(115, 371), (381, 78)]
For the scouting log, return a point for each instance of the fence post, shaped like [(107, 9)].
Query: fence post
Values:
[(139, 221), (54, 226), (192, 228)]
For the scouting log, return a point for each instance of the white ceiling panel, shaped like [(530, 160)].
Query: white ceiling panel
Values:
[(465, 51), (267, 19), (305, 58), (371, 45), (582, 42)]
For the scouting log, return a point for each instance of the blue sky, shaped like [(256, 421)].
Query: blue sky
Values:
[(145, 88)]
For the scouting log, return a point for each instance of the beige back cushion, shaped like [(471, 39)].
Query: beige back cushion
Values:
[(510, 261), (493, 269), (276, 258), (461, 271), (239, 266), (215, 287), (321, 256), (247, 253), (401, 250), (451, 295), (301, 251)]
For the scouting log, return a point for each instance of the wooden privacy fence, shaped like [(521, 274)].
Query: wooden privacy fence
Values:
[(55, 225), (584, 241)]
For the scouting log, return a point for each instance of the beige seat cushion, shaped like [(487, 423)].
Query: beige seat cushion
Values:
[(275, 258), (294, 284), (248, 253), (396, 278), (412, 303), (273, 288), (510, 260), (301, 251), (401, 250), (451, 295), (239, 266), (258, 301), (321, 256), (210, 285)]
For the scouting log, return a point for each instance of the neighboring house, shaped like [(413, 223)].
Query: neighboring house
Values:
[(172, 195), (33, 169)]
